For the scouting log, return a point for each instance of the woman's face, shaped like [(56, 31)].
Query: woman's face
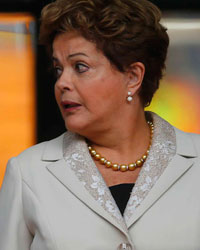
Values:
[(90, 92)]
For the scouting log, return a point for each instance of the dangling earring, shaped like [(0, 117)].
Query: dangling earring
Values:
[(129, 97)]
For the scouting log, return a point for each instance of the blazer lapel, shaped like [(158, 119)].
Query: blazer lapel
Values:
[(77, 172), (71, 164), (177, 167), (66, 176)]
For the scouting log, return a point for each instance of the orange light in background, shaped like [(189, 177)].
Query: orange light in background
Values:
[(17, 86)]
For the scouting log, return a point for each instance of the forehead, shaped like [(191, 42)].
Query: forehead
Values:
[(73, 43)]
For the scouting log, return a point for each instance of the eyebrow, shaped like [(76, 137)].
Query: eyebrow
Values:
[(70, 56), (77, 54)]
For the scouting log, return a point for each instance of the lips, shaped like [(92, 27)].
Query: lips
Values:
[(69, 105)]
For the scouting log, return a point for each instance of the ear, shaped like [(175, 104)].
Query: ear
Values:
[(135, 73)]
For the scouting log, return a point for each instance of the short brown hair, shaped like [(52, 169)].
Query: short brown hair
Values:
[(126, 31)]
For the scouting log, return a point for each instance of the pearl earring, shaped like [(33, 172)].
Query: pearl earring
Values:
[(129, 97)]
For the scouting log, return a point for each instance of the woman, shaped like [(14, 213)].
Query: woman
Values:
[(119, 178)]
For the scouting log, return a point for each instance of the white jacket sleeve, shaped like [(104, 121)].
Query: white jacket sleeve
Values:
[(14, 234)]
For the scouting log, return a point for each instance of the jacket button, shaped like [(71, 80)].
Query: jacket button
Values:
[(124, 246)]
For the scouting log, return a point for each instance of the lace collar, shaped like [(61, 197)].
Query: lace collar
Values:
[(162, 151)]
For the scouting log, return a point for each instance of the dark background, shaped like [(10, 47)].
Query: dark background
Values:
[(49, 121), (36, 5)]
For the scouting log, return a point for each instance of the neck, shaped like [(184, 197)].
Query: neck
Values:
[(125, 141)]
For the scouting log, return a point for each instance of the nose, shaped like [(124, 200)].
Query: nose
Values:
[(65, 81)]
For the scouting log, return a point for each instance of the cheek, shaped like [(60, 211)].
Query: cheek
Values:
[(57, 94), (103, 96), (112, 88)]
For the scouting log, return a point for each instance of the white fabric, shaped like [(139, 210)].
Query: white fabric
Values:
[(46, 203)]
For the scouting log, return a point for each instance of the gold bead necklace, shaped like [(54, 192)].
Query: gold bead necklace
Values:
[(123, 167)]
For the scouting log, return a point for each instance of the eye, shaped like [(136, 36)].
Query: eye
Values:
[(57, 71), (81, 68)]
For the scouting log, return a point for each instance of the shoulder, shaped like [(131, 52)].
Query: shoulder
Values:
[(31, 162), (196, 141), (188, 141), (51, 150), (187, 144)]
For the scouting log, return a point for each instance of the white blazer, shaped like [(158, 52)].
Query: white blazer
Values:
[(48, 202)]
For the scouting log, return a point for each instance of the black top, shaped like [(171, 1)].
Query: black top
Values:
[(121, 194)]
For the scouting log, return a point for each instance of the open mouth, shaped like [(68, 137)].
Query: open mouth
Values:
[(70, 105)]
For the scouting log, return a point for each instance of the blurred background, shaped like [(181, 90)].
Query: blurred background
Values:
[(28, 112)]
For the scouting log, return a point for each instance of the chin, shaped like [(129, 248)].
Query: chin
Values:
[(78, 127)]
